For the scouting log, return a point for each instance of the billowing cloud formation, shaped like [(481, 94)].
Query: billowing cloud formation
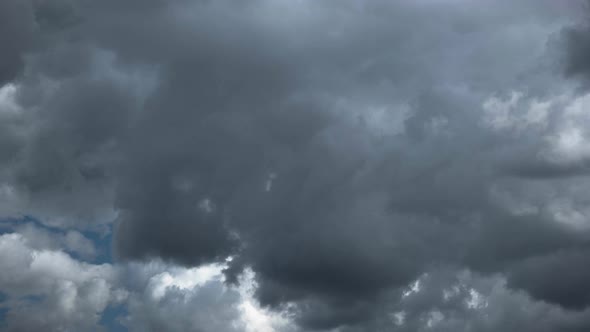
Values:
[(45, 288), (48, 290), (367, 165)]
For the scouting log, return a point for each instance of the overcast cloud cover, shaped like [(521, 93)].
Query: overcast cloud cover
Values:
[(295, 165)]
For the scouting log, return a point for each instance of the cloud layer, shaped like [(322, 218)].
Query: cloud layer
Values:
[(295, 165)]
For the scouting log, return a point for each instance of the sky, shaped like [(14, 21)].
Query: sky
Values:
[(295, 165)]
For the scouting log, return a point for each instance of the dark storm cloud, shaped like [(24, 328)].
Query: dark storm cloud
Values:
[(545, 170), (568, 267), (578, 51), (577, 46), (61, 165), (341, 150), (25, 27), (65, 115), (16, 32), (346, 216), (445, 300)]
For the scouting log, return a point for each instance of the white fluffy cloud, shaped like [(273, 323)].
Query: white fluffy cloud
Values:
[(174, 298), (49, 290)]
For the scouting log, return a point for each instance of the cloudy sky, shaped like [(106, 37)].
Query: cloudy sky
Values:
[(295, 165)]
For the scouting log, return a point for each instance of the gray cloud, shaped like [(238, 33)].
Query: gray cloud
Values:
[(339, 150), (577, 46), (16, 34)]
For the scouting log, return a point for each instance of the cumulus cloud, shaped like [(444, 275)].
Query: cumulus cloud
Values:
[(46, 288), (295, 165), (173, 298), (49, 290)]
